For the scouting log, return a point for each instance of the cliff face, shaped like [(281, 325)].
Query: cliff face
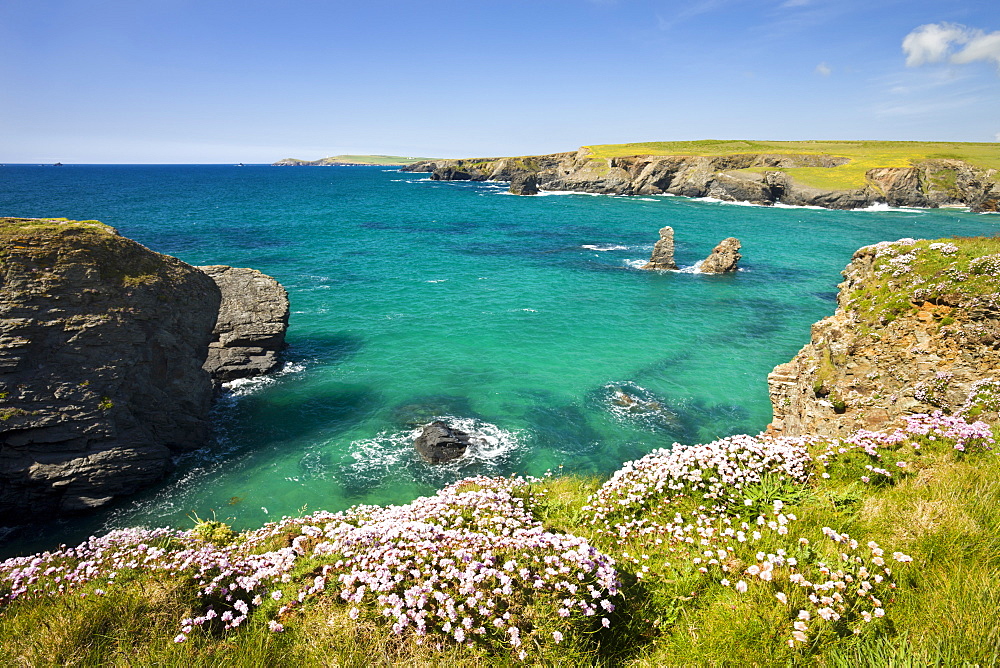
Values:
[(931, 183), (102, 347), (917, 327)]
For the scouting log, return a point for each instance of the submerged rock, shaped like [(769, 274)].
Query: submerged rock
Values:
[(724, 258), (250, 330), (663, 252), (524, 183), (438, 442)]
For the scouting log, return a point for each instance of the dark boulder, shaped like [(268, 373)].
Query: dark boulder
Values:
[(525, 183), (438, 443)]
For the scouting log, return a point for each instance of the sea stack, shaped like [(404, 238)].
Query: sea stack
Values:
[(250, 330), (724, 258), (662, 258)]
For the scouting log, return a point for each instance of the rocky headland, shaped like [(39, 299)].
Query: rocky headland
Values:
[(103, 351), (760, 178), (916, 330)]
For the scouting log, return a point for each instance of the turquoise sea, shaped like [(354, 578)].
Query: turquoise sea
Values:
[(523, 319)]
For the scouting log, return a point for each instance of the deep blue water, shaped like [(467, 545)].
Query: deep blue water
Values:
[(518, 317)]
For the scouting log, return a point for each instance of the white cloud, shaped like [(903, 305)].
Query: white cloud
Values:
[(997, 136), (936, 42), (824, 69), (982, 46)]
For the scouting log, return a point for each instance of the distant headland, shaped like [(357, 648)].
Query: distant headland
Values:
[(829, 174), (351, 161)]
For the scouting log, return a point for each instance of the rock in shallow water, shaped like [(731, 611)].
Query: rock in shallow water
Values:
[(724, 258), (438, 442)]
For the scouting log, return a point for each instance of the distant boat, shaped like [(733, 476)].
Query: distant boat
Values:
[(241, 165), (58, 164)]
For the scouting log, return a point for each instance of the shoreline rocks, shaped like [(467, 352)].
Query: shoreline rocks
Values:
[(525, 183), (934, 343), (930, 183), (102, 347)]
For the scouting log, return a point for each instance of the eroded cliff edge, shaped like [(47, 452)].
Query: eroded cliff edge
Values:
[(761, 178), (102, 349), (917, 327)]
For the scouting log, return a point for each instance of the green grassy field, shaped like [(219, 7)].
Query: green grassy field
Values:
[(863, 155), (388, 160)]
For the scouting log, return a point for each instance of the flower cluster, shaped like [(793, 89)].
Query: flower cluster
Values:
[(987, 264), (945, 247), (715, 472), (468, 563)]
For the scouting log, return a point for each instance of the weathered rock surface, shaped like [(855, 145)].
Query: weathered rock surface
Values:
[(931, 183), (857, 374), (250, 329), (724, 258), (438, 442), (525, 183), (102, 343), (662, 258)]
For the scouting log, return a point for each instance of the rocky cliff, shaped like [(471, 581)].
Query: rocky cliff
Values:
[(917, 329), (761, 178), (102, 344)]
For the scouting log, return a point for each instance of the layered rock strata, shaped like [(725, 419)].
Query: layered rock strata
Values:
[(723, 259), (662, 258), (752, 177), (102, 347), (917, 329), (250, 329)]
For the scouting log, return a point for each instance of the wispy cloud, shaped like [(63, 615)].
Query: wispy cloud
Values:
[(824, 70), (950, 42)]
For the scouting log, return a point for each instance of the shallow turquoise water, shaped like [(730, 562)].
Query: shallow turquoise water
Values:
[(519, 317)]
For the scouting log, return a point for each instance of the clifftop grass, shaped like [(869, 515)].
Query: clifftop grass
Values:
[(961, 276), (863, 155)]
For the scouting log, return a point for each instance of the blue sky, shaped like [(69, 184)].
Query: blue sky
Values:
[(205, 81)]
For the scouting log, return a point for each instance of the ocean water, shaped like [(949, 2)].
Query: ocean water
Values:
[(522, 319)]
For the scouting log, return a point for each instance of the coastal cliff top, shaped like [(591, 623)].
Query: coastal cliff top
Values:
[(353, 160), (862, 155)]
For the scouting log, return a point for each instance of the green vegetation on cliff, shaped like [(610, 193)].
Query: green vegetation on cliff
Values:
[(863, 155), (956, 275)]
